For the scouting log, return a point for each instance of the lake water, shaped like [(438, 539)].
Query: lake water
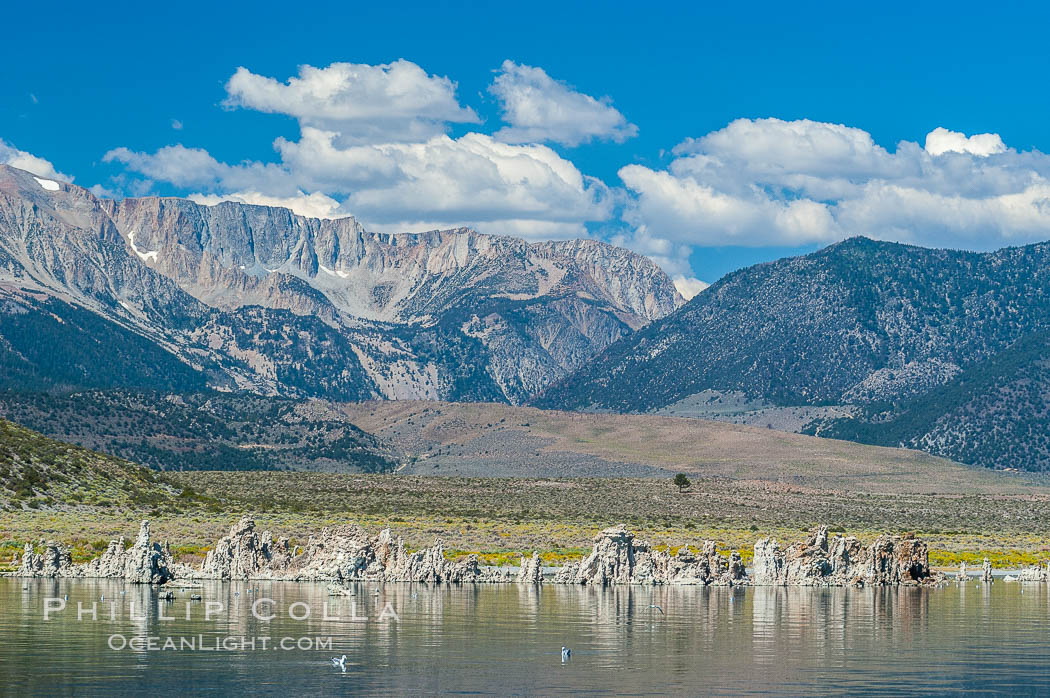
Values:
[(506, 640)]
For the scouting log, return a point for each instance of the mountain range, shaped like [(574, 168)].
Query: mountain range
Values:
[(884, 343), (877, 335), (164, 293)]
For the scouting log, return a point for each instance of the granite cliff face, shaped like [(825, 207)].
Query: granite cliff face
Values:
[(256, 298), (232, 255)]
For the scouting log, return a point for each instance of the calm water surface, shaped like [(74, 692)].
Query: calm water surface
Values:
[(506, 640)]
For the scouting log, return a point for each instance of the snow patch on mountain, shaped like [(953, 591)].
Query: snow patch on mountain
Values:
[(150, 256)]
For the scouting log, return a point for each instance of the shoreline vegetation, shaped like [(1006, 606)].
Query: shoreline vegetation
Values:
[(348, 553), (501, 519), (82, 499)]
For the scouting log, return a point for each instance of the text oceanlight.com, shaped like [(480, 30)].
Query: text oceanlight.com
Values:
[(227, 643)]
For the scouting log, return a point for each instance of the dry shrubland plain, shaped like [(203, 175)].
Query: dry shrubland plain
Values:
[(501, 481)]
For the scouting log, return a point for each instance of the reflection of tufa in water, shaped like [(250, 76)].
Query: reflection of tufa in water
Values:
[(769, 640)]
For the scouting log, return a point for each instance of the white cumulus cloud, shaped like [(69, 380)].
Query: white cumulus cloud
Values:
[(372, 143), (362, 103), (771, 182), (940, 140), (195, 167), (10, 155), (688, 287), (540, 109), (472, 178)]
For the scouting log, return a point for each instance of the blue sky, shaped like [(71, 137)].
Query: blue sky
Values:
[(827, 92)]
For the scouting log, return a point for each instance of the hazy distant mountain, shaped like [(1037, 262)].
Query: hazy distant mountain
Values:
[(859, 323), (167, 294)]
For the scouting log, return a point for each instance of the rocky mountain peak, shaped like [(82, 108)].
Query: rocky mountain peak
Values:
[(231, 255), (265, 300)]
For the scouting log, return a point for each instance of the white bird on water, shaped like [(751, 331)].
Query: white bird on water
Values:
[(340, 662), (565, 653)]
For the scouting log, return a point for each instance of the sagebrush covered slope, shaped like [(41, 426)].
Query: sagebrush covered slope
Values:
[(995, 413), (37, 471), (204, 431)]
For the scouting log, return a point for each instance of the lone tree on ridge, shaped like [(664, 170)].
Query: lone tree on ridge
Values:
[(681, 481)]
